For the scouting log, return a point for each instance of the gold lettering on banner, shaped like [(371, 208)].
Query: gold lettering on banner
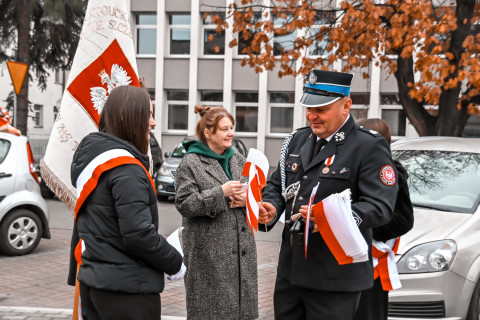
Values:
[(65, 136), (95, 21)]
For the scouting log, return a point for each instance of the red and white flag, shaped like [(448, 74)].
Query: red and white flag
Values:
[(256, 169), (384, 264), (335, 221), (105, 59)]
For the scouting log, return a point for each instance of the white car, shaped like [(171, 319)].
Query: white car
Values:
[(23, 212), (439, 259)]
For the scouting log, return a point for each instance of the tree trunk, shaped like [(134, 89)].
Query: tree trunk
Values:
[(423, 122), (23, 55), (451, 121)]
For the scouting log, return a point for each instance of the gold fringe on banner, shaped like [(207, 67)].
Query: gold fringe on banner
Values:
[(58, 187)]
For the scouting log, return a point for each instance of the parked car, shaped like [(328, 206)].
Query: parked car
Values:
[(23, 212), (165, 178), (439, 259)]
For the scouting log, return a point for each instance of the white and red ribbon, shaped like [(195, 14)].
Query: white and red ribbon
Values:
[(329, 161), (309, 212), (256, 169), (384, 264)]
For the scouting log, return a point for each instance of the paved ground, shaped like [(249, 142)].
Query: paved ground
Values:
[(34, 287)]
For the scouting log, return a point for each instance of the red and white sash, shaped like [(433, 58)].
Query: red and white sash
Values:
[(385, 266), (86, 183)]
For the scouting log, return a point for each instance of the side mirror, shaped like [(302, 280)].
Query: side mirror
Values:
[(167, 154)]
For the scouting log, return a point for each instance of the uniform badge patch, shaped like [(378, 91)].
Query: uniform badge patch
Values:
[(387, 175), (339, 136), (312, 78), (294, 167)]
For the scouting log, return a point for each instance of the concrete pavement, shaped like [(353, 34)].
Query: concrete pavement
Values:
[(33, 287)]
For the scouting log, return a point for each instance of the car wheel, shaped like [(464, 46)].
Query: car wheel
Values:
[(162, 198), (474, 308), (20, 232)]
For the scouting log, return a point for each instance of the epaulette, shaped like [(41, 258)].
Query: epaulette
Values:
[(370, 131)]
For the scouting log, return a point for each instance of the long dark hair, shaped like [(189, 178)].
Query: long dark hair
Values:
[(126, 114), (379, 125), (210, 117)]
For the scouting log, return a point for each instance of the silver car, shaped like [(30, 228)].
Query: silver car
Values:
[(23, 212), (439, 259)]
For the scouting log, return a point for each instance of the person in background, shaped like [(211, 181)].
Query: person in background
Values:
[(374, 301), (334, 152), (123, 258), (220, 251)]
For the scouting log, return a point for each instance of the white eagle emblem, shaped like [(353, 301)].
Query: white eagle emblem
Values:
[(312, 78), (118, 77)]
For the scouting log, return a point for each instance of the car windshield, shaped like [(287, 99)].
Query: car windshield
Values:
[(179, 151), (441, 180)]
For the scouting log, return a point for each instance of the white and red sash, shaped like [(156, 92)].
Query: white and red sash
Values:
[(88, 180), (385, 266)]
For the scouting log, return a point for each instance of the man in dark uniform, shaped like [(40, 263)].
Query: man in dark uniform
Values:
[(349, 157)]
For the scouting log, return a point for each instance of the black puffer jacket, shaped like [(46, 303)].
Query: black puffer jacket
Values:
[(118, 223), (402, 219)]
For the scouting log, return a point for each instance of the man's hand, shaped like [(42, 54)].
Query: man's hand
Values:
[(304, 211), (266, 213)]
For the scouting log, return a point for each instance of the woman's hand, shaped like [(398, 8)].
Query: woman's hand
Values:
[(232, 188), (238, 201)]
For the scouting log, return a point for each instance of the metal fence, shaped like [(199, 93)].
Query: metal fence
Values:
[(38, 138)]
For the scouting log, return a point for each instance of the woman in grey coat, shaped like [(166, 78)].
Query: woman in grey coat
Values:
[(220, 251)]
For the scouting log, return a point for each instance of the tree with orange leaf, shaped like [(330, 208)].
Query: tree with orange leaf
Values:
[(431, 47)]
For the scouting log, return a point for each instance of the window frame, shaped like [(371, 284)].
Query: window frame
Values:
[(171, 27), (279, 105), (209, 27), (139, 27), (167, 111), (38, 119), (244, 104)]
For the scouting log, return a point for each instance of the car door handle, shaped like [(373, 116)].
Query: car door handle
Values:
[(5, 175)]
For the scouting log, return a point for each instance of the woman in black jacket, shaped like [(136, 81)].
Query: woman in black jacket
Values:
[(374, 302), (123, 258)]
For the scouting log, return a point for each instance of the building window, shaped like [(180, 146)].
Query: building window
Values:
[(245, 38), (177, 109), (281, 112), (283, 43), (396, 119), (179, 31), (246, 111), (38, 115), (213, 41), (319, 47), (211, 98), (393, 113), (58, 76), (55, 113), (146, 26)]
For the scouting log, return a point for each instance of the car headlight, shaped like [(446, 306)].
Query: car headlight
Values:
[(428, 257), (163, 171)]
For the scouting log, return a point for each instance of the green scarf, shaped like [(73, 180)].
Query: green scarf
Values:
[(194, 146)]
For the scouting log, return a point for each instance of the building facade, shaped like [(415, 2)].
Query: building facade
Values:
[(182, 69)]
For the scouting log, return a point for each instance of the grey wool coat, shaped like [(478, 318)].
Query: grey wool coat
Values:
[(220, 251)]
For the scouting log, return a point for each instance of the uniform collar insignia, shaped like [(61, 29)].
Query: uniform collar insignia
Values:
[(339, 136)]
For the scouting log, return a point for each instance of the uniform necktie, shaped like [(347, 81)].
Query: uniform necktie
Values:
[(318, 146)]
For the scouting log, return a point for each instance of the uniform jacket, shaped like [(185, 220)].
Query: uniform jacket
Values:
[(220, 251), (360, 156), (118, 223)]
